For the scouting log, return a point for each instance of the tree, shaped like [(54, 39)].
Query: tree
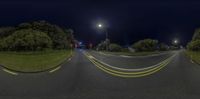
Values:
[(61, 38), (145, 45), (24, 26), (70, 35), (26, 39), (194, 45), (103, 45), (115, 47), (163, 47), (107, 43), (196, 35), (3, 45), (5, 31)]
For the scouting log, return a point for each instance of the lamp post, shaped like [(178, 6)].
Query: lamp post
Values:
[(103, 27)]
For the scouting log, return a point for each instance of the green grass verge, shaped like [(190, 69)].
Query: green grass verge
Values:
[(195, 56), (33, 61), (133, 54)]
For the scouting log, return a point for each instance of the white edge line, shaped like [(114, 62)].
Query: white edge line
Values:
[(69, 59), (10, 72), (126, 56), (191, 61), (129, 56), (57, 68)]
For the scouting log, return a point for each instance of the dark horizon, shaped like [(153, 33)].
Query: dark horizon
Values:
[(128, 21)]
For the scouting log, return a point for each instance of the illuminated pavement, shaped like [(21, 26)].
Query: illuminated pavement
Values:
[(80, 79), (131, 62)]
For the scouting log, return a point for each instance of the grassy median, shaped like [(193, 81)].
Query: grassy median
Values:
[(194, 55), (33, 61)]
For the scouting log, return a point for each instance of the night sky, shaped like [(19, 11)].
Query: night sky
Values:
[(126, 21)]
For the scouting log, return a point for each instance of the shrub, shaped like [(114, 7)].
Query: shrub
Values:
[(61, 38), (163, 47), (115, 47), (103, 44), (26, 39), (196, 35), (145, 45), (6, 31), (194, 45)]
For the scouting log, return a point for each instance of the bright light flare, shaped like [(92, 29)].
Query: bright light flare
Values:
[(175, 41), (100, 25)]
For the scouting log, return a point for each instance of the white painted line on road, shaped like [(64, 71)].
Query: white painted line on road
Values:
[(145, 56), (126, 56), (191, 61), (69, 59), (10, 72), (129, 56), (90, 56), (57, 68), (105, 54)]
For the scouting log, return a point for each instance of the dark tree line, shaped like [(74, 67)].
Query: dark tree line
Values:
[(153, 45), (194, 44), (37, 35), (139, 46), (145, 45)]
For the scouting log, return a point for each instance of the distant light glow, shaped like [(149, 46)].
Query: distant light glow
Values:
[(175, 41), (99, 25), (80, 43)]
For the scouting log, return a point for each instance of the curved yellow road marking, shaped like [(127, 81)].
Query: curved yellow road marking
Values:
[(125, 69), (134, 72), (128, 74)]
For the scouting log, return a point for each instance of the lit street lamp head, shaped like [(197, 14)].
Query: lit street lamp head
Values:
[(100, 25), (175, 41)]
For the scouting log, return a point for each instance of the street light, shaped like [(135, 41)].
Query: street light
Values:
[(101, 26), (175, 41)]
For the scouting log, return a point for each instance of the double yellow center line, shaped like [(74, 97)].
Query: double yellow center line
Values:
[(128, 73)]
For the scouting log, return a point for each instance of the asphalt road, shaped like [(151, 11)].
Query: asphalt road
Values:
[(80, 79), (131, 62)]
